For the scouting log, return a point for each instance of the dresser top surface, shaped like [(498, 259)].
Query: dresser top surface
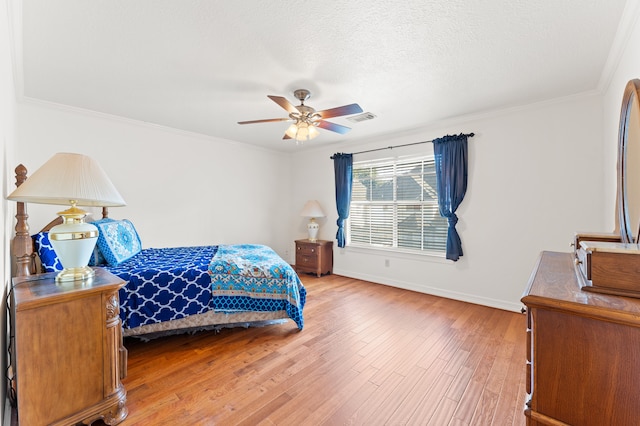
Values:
[(42, 289), (555, 285)]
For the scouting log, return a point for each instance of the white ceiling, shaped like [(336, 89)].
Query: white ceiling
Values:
[(202, 65)]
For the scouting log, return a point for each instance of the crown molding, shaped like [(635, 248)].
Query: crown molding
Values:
[(26, 100), (626, 26)]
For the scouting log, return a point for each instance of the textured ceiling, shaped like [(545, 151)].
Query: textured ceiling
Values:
[(203, 65)]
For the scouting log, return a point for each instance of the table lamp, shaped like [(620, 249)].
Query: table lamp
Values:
[(73, 180), (312, 210)]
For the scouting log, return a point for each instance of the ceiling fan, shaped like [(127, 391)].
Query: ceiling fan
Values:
[(306, 119)]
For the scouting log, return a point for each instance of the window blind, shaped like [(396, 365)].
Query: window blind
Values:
[(394, 205)]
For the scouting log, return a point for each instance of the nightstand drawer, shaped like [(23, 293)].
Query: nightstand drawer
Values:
[(306, 249), (305, 260)]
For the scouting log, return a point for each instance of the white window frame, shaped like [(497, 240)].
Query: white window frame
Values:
[(428, 207)]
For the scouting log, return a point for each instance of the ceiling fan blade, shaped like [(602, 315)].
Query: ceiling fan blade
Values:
[(284, 103), (268, 120), (338, 128), (338, 111)]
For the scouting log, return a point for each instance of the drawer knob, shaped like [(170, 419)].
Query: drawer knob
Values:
[(577, 261)]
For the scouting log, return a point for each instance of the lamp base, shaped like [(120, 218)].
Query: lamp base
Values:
[(73, 241), (312, 227), (83, 273)]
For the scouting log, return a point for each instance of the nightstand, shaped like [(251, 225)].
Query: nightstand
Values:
[(67, 350), (314, 256)]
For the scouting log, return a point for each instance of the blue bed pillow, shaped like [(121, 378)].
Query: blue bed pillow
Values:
[(48, 257), (97, 259), (118, 240)]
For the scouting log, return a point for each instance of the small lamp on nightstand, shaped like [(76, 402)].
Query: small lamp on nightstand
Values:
[(312, 210), (71, 180)]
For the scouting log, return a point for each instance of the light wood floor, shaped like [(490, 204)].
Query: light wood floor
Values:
[(368, 354)]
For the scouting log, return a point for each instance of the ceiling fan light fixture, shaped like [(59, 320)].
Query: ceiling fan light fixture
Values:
[(303, 132), (292, 130)]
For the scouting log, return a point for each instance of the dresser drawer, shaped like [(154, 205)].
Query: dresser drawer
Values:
[(611, 268), (583, 260)]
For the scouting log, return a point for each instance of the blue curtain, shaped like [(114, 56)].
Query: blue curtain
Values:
[(343, 168), (451, 181)]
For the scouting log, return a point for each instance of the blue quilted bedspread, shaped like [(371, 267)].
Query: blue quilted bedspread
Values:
[(172, 283), (253, 277)]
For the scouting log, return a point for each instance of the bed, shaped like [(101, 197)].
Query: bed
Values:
[(177, 289)]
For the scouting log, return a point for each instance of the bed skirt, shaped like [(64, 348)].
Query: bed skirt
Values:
[(208, 321)]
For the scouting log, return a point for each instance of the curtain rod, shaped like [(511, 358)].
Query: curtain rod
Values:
[(400, 146)]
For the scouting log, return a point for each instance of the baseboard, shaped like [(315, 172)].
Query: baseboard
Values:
[(463, 297)]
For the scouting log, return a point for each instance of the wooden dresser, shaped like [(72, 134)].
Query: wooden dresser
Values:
[(314, 256), (67, 350), (583, 351)]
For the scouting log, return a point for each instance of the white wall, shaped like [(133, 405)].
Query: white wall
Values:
[(180, 189), (535, 178)]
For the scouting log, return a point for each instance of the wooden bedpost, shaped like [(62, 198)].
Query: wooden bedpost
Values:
[(105, 212), (22, 244)]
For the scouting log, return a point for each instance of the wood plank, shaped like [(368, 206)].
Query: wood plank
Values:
[(369, 354)]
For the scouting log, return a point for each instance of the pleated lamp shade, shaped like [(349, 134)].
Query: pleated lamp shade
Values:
[(67, 177), (71, 180)]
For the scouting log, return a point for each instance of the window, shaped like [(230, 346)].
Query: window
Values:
[(394, 205)]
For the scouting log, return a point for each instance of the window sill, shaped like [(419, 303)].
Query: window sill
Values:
[(401, 254)]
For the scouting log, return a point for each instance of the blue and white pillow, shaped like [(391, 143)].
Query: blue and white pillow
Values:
[(118, 240), (97, 259), (48, 257)]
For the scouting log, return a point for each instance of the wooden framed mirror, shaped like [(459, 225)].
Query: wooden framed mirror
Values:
[(629, 164), (610, 263)]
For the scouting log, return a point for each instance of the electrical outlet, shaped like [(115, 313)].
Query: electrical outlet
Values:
[(386, 263)]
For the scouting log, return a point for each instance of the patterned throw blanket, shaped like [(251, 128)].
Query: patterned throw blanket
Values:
[(253, 277), (172, 283), (164, 284)]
